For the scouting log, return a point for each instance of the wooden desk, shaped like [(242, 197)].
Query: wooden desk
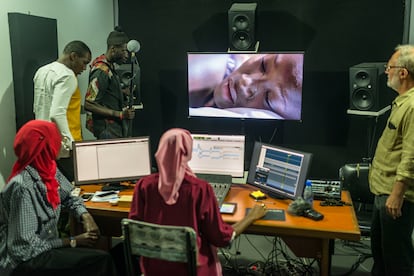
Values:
[(305, 237)]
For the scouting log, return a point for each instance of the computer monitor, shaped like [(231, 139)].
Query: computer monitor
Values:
[(111, 161), (218, 154), (278, 171)]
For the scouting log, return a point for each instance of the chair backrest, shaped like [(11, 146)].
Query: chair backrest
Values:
[(170, 243)]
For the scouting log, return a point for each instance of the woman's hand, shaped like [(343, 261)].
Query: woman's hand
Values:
[(255, 213), (258, 211)]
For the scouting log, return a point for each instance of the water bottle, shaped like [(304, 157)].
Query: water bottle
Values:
[(308, 193)]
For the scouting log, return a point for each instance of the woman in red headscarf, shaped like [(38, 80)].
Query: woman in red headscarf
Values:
[(175, 196), (30, 206)]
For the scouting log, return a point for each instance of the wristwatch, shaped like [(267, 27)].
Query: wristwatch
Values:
[(72, 242)]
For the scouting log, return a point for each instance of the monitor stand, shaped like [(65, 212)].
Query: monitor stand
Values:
[(276, 196), (114, 186)]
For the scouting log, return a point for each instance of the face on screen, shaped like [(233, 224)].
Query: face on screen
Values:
[(265, 81)]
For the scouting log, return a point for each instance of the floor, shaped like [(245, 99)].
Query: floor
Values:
[(262, 255), (269, 256)]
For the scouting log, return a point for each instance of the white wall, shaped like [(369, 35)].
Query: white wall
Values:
[(86, 20)]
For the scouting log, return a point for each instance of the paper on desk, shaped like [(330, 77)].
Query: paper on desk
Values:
[(97, 198)]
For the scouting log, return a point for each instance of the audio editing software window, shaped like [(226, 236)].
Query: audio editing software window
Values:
[(280, 171), (112, 160), (218, 154)]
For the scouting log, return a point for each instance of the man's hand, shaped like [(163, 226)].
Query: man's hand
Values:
[(395, 200), (129, 113), (87, 239), (393, 205)]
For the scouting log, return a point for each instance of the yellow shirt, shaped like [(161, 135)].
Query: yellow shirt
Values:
[(73, 115), (394, 156)]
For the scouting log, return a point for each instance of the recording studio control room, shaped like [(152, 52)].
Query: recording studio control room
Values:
[(206, 137)]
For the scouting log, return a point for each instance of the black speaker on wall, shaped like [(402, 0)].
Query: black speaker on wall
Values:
[(368, 87), (242, 25), (125, 76)]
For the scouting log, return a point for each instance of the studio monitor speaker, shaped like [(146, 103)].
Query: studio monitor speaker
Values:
[(241, 18), (368, 87), (125, 76)]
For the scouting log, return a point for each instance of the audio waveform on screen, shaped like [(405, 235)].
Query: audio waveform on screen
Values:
[(217, 153)]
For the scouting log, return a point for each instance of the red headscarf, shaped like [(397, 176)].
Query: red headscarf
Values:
[(37, 143), (174, 152)]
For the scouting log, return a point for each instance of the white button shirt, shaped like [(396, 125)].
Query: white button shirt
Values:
[(54, 85)]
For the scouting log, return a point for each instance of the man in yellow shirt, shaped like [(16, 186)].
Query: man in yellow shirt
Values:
[(73, 115), (57, 97)]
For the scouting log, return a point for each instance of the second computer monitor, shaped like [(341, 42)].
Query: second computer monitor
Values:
[(218, 154), (279, 171)]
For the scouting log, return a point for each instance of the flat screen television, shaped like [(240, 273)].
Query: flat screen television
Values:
[(280, 172), (111, 161), (245, 85), (218, 154)]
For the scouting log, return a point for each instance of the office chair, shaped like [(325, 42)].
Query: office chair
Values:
[(170, 243), (354, 178)]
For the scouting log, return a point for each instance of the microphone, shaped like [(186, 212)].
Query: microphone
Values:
[(298, 206), (133, 46)]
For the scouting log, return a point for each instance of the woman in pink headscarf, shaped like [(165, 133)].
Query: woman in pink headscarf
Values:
[(175, 196)]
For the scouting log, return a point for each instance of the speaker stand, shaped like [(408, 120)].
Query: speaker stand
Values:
[(369, 113), (256, 49), (373, 117)]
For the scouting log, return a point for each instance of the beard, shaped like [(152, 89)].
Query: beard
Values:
[(393, 82), (118, 59)]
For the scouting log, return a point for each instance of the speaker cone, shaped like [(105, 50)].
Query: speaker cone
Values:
[(126, 78), (362, 99), (241, 40), (362, 78), (241, 22)]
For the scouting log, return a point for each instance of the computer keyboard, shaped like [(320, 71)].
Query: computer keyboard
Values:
[(220, 190)]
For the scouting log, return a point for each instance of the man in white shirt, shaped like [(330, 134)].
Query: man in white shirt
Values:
[(57, 97)]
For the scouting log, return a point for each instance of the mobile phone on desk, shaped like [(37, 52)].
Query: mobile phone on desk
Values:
[(108, 193), (87, 196), (228, 208)]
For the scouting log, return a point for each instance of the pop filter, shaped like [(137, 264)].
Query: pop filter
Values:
[(298, 206)]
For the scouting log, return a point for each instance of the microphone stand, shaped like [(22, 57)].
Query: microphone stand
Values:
[(131, 93)]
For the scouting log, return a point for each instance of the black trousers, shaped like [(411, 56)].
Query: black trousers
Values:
[(391, 242), (68, 262)]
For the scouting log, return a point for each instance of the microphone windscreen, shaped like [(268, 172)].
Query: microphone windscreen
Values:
[(298, 206), (133, 46)]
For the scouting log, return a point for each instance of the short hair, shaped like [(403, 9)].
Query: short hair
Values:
[(78, 47), (406, 57), (117, 37)]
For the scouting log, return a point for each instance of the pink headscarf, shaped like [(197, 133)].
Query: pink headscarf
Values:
[(174, 152), (37, 143)]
